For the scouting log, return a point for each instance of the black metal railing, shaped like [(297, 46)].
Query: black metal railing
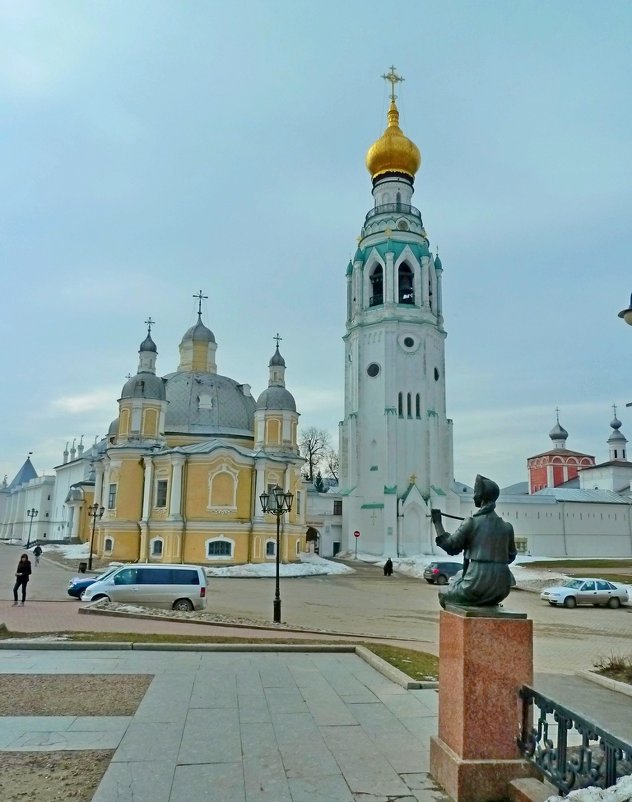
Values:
[(398, 208), (569, 750)]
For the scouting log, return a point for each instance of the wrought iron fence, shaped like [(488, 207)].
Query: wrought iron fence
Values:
[(569, 750)]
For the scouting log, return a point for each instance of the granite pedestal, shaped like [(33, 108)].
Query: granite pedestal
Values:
[(485, 656)]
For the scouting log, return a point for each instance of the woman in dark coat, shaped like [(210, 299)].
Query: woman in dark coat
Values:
[(22, 574)]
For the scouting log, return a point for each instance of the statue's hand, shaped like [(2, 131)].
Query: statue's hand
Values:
[(435, 516)]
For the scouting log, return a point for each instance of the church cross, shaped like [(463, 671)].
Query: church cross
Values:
[(200, 297), (394, 78), (373, 517), (149, 322), (413, 478), (557, 414), (614, 409), (278, 338), (129, 376)]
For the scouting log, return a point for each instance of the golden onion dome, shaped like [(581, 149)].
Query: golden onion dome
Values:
[(393, 152)]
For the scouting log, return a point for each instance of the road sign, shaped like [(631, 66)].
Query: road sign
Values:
[(356, 533)]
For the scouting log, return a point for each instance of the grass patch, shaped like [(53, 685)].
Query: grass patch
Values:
[(417, 665), (574, 564), (617, 667)]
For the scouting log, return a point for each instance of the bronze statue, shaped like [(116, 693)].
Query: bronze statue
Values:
[(487, 543)]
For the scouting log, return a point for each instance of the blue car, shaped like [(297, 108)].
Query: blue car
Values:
[(78, 584)]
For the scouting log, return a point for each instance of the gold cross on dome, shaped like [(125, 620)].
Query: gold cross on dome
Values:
[(394, 78), (413, 478)]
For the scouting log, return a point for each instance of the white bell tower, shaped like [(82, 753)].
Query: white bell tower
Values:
[(395, 439)]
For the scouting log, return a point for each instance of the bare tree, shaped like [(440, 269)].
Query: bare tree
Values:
[(332, 463), (313, 444)]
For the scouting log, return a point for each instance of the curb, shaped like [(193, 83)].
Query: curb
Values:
[(90, 610), (392, 673), (606, 682)]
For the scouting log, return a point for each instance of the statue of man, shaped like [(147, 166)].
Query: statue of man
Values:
[(487, 543)]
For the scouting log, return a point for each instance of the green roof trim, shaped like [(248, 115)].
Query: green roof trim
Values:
[(349, 269), (432, 413), (373, 468), (390, 491), (372, 507), (438, 490), (347, 492)]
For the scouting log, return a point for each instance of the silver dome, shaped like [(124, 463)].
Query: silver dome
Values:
[(276, 397), (207, 403), (277, 359), (558, 432), (144, 385), (199, 333), (148, 345)]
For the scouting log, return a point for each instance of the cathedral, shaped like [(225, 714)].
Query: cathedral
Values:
[(188, 457)]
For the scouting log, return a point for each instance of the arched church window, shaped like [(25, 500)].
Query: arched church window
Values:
[(400, 405), (377, 286), (398, 201), (430, 299), (409, 405), (417, 406), (405, 284)]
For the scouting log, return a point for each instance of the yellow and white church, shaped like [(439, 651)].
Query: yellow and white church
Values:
[(188, 457)]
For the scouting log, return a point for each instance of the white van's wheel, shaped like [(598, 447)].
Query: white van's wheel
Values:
[(102, 597), (183, 605)]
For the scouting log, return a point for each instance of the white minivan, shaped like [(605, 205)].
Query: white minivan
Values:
[(177, 587)]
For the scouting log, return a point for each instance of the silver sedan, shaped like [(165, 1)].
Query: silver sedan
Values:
[(586, 591)]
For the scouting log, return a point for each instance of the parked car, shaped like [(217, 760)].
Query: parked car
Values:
[(78, 584), (440, 573), (586, 591), (177, 587)]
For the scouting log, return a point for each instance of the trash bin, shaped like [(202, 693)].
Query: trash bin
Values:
[(82, 567)]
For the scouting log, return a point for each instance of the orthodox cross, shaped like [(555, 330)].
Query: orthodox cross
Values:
[(149, 322), (394, 78), (413, 478), (200, 297), (373, 517), (557, 414), (278, 338), (129, 376)]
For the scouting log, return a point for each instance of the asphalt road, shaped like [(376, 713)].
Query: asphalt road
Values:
[(368, 603)]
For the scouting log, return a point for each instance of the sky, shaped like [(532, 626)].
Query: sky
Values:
[(150, 149)]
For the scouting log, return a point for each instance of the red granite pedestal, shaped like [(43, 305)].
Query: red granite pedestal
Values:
[(485, 656)]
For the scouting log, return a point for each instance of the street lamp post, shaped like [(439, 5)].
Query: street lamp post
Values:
[(32, 513), (94, 511), (626, 314), (277, 502)]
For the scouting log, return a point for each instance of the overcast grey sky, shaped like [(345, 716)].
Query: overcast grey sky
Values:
[(150, 149)]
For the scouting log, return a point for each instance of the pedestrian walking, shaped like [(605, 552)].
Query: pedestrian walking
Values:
[(22, 574), (37, 551), (388, 567)]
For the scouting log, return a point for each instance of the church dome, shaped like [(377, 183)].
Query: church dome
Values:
[(276, 359), (558, 433), (144, 385), (113, 428), (199, 333), (393, 152), (207, 403), (276, 397), (148, 345)]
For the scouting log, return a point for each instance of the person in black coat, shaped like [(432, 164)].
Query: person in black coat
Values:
[(388, 567), (22, 574)]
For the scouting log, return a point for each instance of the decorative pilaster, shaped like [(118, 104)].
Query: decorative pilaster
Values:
[(175, 500)]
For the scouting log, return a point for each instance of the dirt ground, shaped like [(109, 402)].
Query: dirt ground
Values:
[(52, 776), (62, 776), (69, 695)]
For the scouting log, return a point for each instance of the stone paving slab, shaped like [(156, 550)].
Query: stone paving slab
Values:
[(245, 727)]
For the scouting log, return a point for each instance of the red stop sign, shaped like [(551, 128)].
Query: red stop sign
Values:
[(356, 533)]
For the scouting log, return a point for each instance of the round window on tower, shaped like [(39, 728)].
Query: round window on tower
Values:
[(373, 369), (408, 343), (402, 225)]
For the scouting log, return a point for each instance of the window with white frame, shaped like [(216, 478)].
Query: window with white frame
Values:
[(161, 492), (156, 547), (112, 496), (270, 548), (220, 548), (108, 545)]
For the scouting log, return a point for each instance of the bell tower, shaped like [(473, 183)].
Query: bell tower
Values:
[(395, 439)]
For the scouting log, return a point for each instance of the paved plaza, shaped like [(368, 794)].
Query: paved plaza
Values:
[(242, 727)]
